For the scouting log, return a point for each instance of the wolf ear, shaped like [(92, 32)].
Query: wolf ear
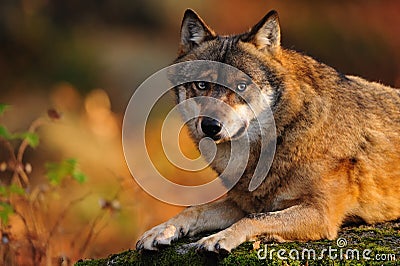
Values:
[(194, 31), (266, 34)]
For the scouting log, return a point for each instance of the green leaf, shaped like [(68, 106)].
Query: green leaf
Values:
[(79, 176), (56, 172), (3, 108), (30, 137), (3, 191), (72, 162), (5, 211), (14, 189), (5, 133)]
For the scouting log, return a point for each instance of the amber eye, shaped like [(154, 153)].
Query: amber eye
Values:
[(241, 86), (201, 85)]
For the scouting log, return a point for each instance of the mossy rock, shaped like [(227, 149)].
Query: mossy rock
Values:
[(380, 241)]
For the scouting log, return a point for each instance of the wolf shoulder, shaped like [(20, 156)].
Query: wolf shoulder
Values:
[(375, 97)]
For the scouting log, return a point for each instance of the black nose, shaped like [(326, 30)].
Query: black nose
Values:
[(210, 127)]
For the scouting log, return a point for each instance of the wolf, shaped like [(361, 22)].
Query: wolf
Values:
[(337, 157)]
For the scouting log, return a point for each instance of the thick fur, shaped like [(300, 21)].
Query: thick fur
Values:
[(338, 145)]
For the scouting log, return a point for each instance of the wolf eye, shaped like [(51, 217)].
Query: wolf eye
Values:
[(201, 85), (241, 86)]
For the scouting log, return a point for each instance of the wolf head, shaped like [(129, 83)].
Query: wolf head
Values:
[(241, 106)]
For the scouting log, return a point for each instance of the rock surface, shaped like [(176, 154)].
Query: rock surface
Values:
[(356, 245)]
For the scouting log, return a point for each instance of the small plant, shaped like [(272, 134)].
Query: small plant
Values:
[(25, 208)]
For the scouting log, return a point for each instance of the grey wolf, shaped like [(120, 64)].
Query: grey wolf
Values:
[(337, 146)]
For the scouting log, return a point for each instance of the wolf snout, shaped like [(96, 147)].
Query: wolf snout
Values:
[(211, 127)]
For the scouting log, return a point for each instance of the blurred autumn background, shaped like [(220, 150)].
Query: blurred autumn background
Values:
[(73, 66)]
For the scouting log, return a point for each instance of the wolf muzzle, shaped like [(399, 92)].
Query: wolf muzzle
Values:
[(211, 127)]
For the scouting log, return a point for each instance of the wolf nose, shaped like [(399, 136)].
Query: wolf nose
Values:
[(210, 127)]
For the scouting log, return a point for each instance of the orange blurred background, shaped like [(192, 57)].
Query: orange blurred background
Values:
[(85, 59)]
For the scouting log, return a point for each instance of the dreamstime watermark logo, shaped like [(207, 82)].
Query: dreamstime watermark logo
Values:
[(191, 108), (340, 252)]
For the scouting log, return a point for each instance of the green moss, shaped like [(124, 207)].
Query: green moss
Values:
[(382, 239)]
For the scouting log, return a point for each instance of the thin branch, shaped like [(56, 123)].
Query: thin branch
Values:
[(62, 216), (12, 160), (91, 233), (34, 254), (24, 144), (99, 231), (15, 179), (23, 175), (10, 149)]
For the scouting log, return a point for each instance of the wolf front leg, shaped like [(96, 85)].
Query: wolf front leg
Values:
[(212, 216), (295, 223)]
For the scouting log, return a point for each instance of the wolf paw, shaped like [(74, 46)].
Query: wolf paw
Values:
[(161, 235), (222, 242)]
